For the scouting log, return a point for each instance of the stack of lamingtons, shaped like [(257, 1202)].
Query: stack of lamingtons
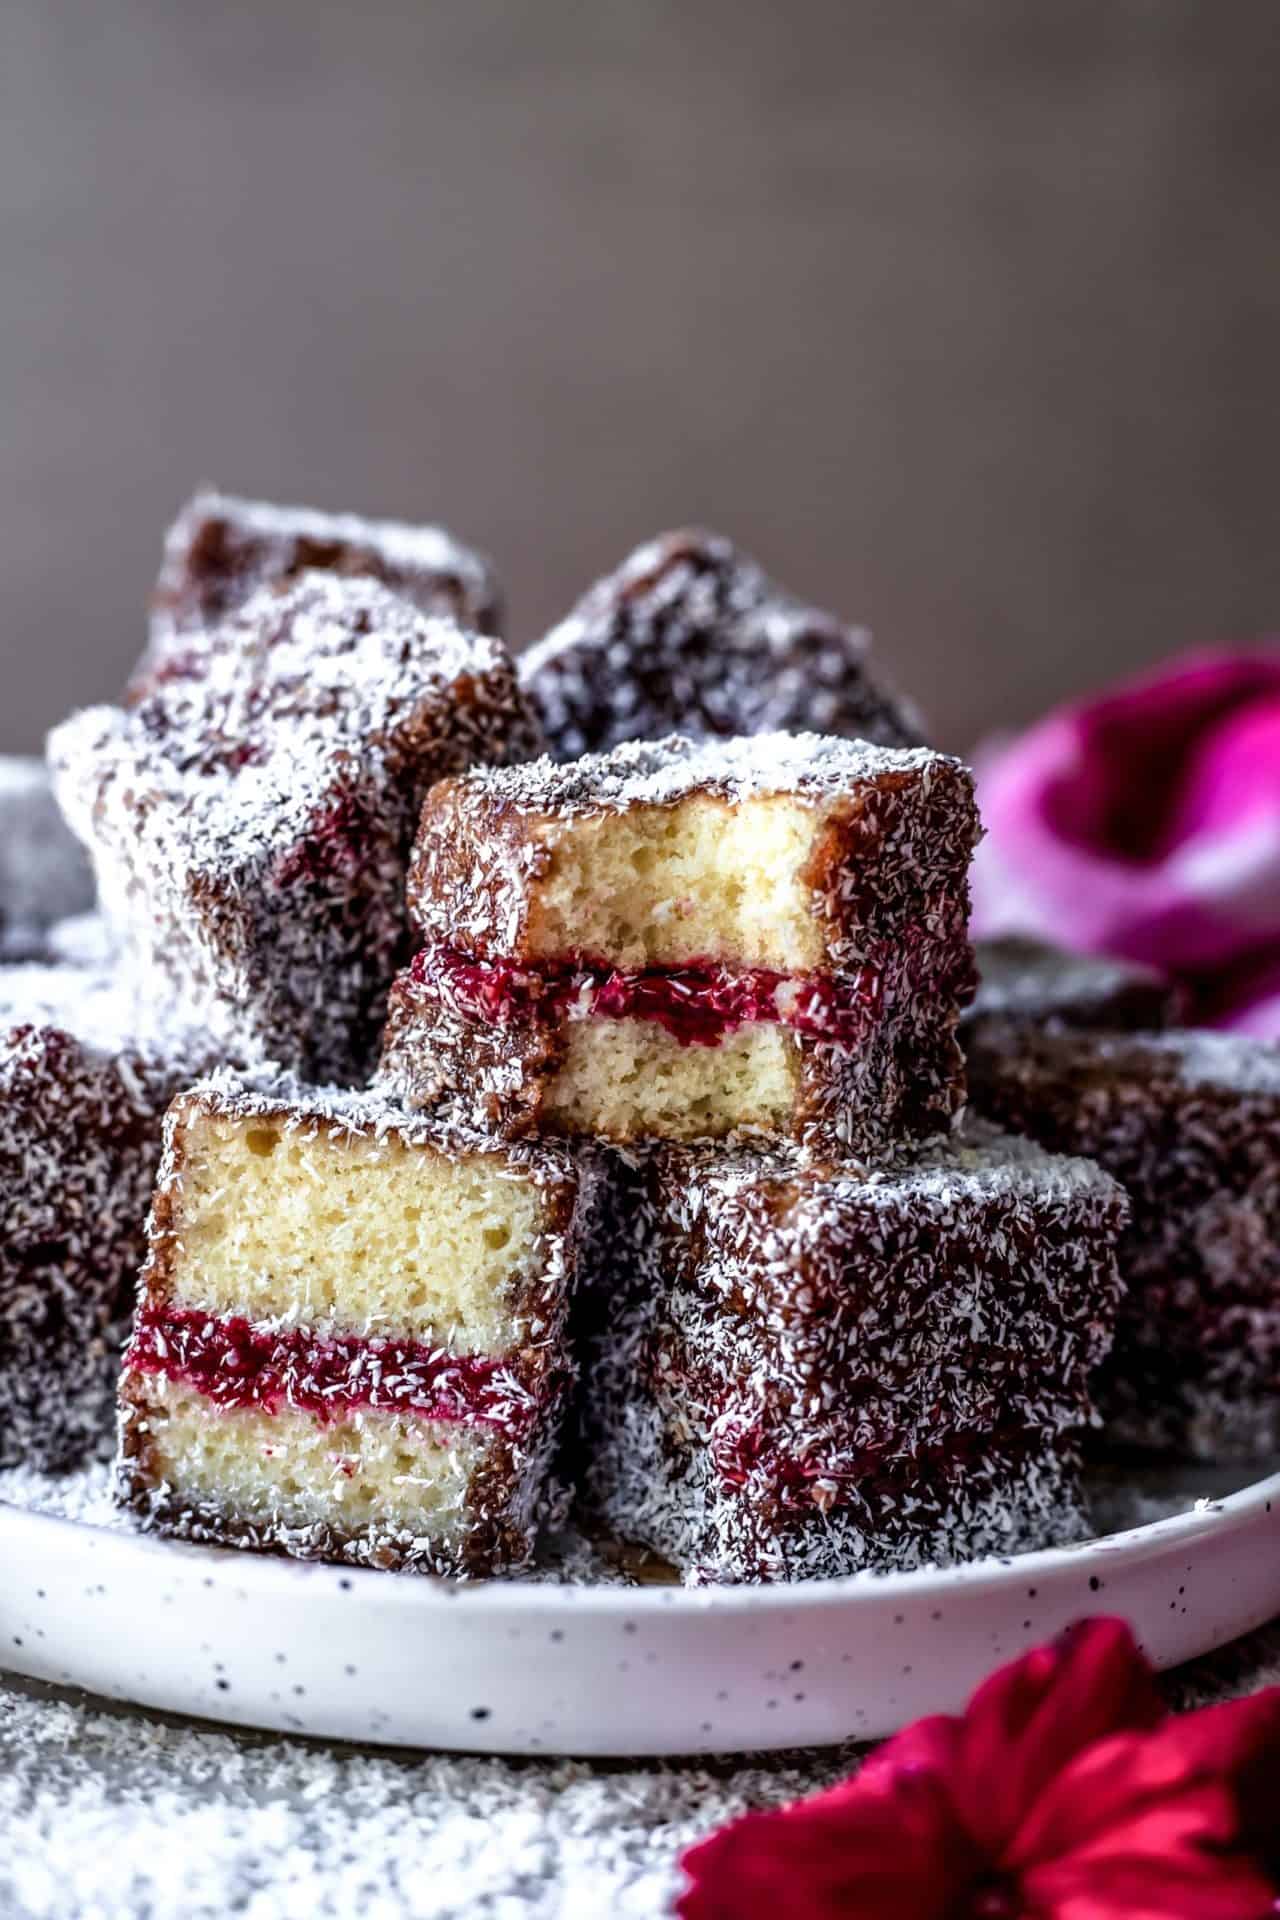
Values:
[(584, 1125)]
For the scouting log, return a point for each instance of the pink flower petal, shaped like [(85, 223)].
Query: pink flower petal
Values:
[(1146, 823)]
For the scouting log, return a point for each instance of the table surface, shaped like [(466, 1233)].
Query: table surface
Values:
[(108, 1813)]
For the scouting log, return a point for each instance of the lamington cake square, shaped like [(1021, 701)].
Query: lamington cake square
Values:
[(1025, 979), (691, 636), (81, 1111), (44, 872), (251, 823), (1189, 1123), (221, 549), (794, 1368), (687, 941), (350, 1341)]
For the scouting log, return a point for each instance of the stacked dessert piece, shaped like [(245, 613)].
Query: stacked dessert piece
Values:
[(352, 1331), (221, 550), (688, 941), (250, 818), (690, 636), (82, 1101), (819, 1330), (638, 1069), (1189, 1123), (44, 875), (350, 1334), (1086, 1056), (809, 1367)]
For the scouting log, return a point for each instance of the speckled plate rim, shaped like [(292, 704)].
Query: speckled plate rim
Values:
[(527, 1667)]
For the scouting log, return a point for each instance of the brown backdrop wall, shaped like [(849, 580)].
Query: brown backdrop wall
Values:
[(964, 316)]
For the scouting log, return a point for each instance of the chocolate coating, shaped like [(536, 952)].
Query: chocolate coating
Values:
[(220, 550), (251, 821), (690, 636), (81, 1109), (808, 1369), (1189, 1123)]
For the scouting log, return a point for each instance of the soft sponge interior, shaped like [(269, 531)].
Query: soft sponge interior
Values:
[(666, 885), (625, 1079), (285, 1469), (351, 1234)]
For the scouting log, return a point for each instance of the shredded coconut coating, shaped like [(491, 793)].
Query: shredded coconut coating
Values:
[(512, 1491), (1189, 1123), (209, 1822), (893, 832), (662, 773), (221, 549), (81, 1106), (251, 823), (44, 874), (690, 636), (808, 1368), (1029, 979)]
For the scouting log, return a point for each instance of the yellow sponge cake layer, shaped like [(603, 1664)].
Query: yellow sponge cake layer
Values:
[(351, 1332), (369, 1475), (348, 1231)]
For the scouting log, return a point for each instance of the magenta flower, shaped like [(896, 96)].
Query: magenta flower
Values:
[(1146, 824)]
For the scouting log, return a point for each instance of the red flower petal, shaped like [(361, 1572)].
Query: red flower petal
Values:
[(1151, 1885), (1099, 1800), (858, 1850), (1030, 1720), (1064, 1792)]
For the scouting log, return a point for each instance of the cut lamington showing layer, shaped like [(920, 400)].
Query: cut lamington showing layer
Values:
[(1025, 979), (686, 941), (81, 1110), (251, 824), (1190, 1124), (805, 1370), (221, 550), (690, 636), (350, 1341), (44, 873)]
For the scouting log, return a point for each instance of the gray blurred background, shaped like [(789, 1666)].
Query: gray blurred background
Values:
[(963, 316)]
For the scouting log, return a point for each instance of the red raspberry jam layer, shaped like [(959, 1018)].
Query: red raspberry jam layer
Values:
[(699, 1005), (238, 1364)]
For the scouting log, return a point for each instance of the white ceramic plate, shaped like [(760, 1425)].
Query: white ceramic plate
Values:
[(523, 1667)]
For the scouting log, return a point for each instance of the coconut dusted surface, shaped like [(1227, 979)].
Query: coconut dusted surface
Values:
[(1029, 979), (81, 1107), (132, 1816), (1190, 1124), (126, 1815), (691, 636), (221, 549), (661, 773), (359, 1413), (804, 1369), (251, 822), (44, 871)]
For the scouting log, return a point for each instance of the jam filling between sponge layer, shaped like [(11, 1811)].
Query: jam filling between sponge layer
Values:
[(240, 1364), (698, 1005)]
